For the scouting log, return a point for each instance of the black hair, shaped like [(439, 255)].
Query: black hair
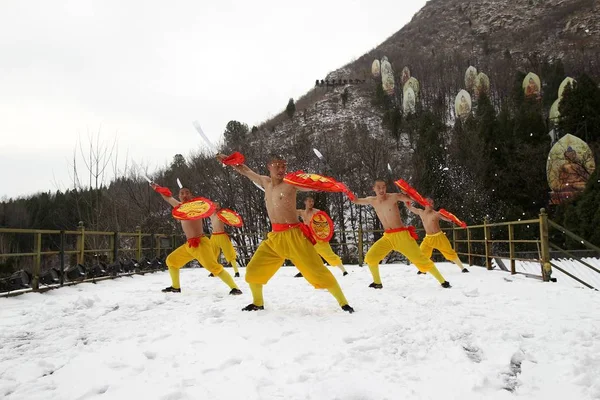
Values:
[(275, 157)]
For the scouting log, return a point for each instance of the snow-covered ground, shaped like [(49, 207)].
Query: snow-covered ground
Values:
[(572, 266), (124, 339)]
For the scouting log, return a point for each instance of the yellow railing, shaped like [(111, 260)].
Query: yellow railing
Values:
[(477, 244), (83, 244), (487, 238)]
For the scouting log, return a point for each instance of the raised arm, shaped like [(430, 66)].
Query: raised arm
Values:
[(401, 197), (364, 201), (243, 169), (440, 216), (413, 209), (165, 193)]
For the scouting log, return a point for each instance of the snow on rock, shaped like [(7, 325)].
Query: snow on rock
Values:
[(487, 337)]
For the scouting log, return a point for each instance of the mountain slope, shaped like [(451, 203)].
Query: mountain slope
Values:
[(446, 36)]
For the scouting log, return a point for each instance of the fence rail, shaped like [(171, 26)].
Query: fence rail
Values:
[(105, 254), (56, 258)]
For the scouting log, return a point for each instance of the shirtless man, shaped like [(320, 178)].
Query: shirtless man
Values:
[(396, 237), (435, 238), (221, 242), (288, 240), (197, 246), (323, 248)]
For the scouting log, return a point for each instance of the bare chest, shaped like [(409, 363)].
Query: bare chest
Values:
[(280, 195), (307, 215)]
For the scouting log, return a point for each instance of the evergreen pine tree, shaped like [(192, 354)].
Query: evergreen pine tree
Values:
[(235, 134), (430, 156), (290, 109), (580, 110)]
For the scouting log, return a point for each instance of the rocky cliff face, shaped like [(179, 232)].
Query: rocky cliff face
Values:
[(499, 37), (487, 29)]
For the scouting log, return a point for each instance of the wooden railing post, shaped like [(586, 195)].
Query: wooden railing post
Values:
[(158, 244), (487, 238), (511, 247), (454, 241), (37, 262), (469, 249), (115, 246), (81, 243), (111, 245), (545, 247), (360, 246), (139, 242), (153, 244), (62, 258)]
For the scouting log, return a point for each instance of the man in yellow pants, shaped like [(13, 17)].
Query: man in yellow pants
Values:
[(396, 237), (289, 238), (435, 238), (221, 241), (323, 248), (197, 246)]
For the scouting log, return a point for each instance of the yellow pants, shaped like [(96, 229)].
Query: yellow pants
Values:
[(223, 243), (440, 242), (294, 246), (403, 243), (204, 253), (324, 250)]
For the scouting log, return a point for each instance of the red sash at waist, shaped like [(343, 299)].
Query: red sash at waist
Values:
[(219, 233), (195, 241), (304, 228), (411, 229)]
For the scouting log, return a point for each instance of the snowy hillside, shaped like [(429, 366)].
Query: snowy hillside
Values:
[(491, 336)]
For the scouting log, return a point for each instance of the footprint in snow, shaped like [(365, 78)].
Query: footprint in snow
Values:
[(473, 352), (363, 348), (215, 313), (511, 381), (227, 364), (472, 293), (173, 396), (352, 339), (93, 392)]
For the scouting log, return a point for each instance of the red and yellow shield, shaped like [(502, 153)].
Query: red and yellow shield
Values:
[(315, 182), (196, 208), (230, 217), (321, 226), (411, 192)]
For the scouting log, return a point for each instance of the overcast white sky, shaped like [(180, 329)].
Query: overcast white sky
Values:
[(142, 71)]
